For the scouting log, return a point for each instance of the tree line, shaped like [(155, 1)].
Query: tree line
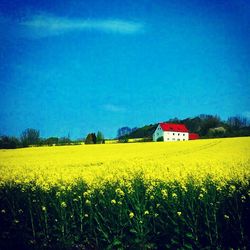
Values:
[(207, 126), (31, 137)]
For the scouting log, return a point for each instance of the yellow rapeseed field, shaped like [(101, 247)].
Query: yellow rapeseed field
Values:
[(172, 195), (221, 159)]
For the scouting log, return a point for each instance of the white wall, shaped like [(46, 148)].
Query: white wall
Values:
[(175, 136), (158, 133), (169, 135)]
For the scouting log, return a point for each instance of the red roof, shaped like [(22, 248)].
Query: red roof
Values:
[(193, 136), (173, 127)]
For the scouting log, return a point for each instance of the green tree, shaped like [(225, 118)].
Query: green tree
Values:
[(9, 142), (123, 139), (52, 140), (64, 140), (237, 122), (100, 138), (90, 139), (207, 122), (216, 132), (30, 136)]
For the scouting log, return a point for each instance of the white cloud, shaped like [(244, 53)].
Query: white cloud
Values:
[(46, 25), (114, 108)]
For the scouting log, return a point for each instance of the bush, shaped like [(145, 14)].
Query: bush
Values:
[(216, 132), (7, 142), (51, 141), (160, 138), (123, 139)]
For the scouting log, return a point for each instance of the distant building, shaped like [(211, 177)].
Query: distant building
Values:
[(173, 132), (193, 136)]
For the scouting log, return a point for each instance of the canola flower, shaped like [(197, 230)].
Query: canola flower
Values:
[(47, 167), (113, 202), (131, 215), (174, 195), (81, 188), (119, 192), (164, 193), (179, 213), (63, 204), (88, 202)]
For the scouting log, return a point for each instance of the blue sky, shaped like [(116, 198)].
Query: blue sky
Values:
[(82, 66)]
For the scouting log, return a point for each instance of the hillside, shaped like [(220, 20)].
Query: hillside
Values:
[(207, 126)]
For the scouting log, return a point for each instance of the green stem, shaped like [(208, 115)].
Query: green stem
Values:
[(46, 224), (208, 225), (32, 220), (216, 227), (81, 217), (240, 224)]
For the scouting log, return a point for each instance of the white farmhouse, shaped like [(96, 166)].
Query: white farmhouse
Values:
[(171, 132)]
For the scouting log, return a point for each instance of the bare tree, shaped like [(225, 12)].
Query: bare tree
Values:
[(30, 136)]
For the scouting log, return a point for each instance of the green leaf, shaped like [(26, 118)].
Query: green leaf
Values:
[(133, 231), (188, 246), (175, 242), (116, 242), (189, 235)]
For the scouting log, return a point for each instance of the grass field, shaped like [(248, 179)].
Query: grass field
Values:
[(177, 195)]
